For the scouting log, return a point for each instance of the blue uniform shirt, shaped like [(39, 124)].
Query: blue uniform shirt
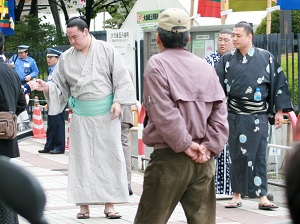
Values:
[(50, 70), (24, 67)]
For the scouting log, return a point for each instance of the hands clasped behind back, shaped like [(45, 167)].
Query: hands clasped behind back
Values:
[(198, 153)]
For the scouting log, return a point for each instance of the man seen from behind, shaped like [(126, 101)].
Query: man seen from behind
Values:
[(187, 127)]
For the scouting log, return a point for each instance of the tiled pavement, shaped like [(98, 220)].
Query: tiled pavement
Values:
[(51, 171)]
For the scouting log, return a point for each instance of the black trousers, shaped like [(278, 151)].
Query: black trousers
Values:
[(56, 133)]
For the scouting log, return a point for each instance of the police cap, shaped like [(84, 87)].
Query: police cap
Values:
[(52, 52), (22, 48)]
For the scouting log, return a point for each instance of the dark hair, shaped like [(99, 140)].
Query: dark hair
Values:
[(2, 41), (248, 27), (293, 184), (173, 40), (78, 21), (226, 31)]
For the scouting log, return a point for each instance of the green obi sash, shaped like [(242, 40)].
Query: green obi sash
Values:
[(88, 108)]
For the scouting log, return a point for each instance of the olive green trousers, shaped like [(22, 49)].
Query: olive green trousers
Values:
[(171, 178)]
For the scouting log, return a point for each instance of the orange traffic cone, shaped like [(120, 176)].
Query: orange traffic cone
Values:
[(38, 126), (67, 145)]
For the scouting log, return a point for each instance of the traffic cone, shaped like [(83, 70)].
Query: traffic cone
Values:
[(38, 126), (67, 145)]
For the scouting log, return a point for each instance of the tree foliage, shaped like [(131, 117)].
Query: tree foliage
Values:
[(118, 9), (31, 31), (275, 23), (119, 15)]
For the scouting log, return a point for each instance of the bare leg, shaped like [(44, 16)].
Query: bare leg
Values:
[(235, 202), (265, 204), (84, 209), (110, 212), (84, 212), (236, 197)]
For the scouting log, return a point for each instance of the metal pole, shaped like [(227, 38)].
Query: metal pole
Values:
[(192, 12), (224, 6), (269, 18)]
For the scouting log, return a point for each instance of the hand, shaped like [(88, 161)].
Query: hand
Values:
[(198, 153), (278, 119), (193, 151), (27, 78), (12, 64), (42, 86), (204, 158), (115, 110), (33, 85)]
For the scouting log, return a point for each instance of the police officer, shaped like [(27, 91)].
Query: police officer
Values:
[(56, 123), (24, 65)]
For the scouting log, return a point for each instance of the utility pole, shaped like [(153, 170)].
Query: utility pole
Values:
[(269, 18), (192, 12), (224, 6)]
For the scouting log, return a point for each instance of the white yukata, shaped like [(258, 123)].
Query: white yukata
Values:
[(97, 170)]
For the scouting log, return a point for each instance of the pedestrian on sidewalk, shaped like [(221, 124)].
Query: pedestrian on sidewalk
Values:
[(11, 99), (94, 76), (55, 143), (187, 126), (222, 175), (24, 65), (293, 183), (255, 86), (26, 68), (126, 124)]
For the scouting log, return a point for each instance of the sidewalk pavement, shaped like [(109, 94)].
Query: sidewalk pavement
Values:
[(51, 171)]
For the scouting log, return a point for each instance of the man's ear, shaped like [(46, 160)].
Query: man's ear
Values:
[(158, 41), (86, 31), (189, 39)]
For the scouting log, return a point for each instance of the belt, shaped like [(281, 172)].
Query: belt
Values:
[(88, 108)]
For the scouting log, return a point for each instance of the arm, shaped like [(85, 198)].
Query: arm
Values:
[(11, 61), (162, 111), (123, 88), (56, 91), (34, 71), (282, 100), (21, 103), (221, 71), (30, 86), (26, 88), (217, 129)]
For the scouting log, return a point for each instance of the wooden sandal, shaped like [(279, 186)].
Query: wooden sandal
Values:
[(112, 215), (81, 215)]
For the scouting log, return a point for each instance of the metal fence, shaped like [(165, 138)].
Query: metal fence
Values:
[(286, 51)]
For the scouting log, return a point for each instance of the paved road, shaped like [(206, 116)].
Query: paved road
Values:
[(51, 171)]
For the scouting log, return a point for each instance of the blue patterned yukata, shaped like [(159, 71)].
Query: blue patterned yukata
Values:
[(222, 175), (248, 119)]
